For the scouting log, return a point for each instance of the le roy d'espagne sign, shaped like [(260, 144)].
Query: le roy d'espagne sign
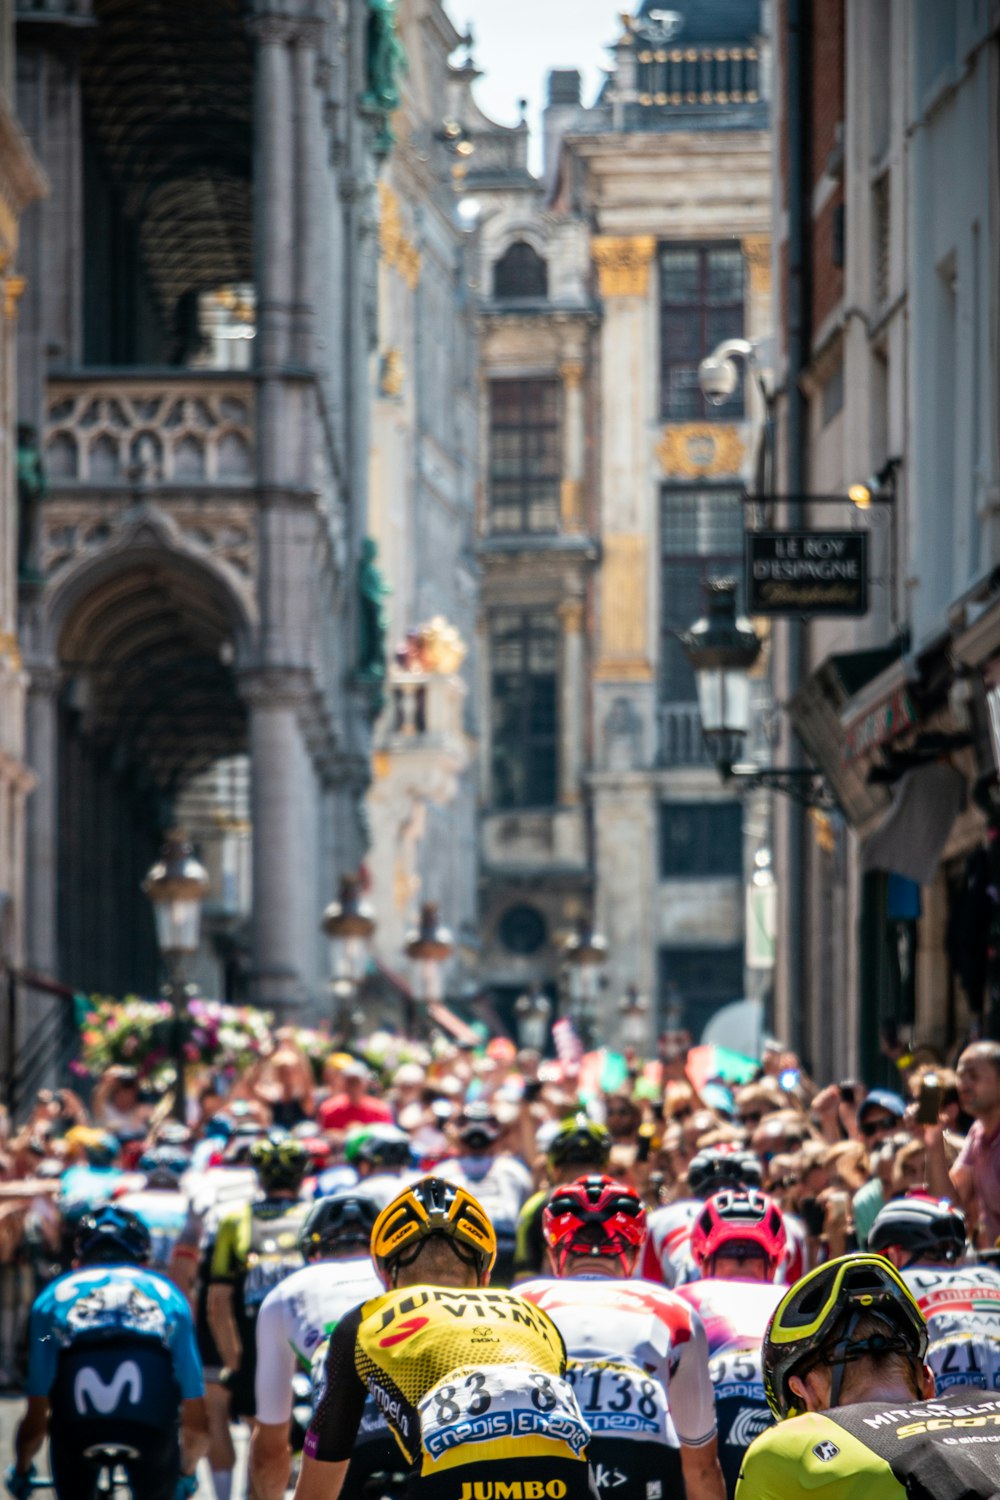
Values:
[(807, 572)]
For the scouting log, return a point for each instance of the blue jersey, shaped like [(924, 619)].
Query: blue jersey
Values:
[(104, 1302), (92, 1185)]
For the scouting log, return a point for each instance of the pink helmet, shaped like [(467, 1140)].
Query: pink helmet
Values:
[(732, 1216)]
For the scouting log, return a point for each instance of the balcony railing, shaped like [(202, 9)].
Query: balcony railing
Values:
[(121, 429), (681, 741), (425, 710)]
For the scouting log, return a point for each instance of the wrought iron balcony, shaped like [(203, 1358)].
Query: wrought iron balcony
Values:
[(106, 430)]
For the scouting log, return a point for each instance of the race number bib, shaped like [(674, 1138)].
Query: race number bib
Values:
[(500, 1401), (737, 1373), (619, 1400), (968, 1359)]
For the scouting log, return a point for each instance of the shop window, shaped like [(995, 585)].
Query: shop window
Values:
[(701, 303), (520, 274), (701, 536), (523, 709), (701, 839), (525, 456)]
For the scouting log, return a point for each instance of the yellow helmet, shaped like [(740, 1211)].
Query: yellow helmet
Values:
[(798, 1335), (429, 1207)]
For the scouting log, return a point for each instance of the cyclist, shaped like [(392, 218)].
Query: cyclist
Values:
[(469, 1380), (383, 1160), (925, 1238), (501, 1182), (95, 1173), (738, 1244), (638, 1360), (112, 1361), (293, 1324), (579, 1146), (256, 1246), (844, 1360), (164, 1210), (667, 1253)]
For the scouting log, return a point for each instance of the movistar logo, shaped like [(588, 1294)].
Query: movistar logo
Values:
[(106, 1398)]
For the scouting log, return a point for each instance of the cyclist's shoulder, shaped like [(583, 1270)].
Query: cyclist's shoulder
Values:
[(813, 1453), (535, 1204)]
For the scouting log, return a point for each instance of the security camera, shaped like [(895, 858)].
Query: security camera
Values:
[(718, 379)]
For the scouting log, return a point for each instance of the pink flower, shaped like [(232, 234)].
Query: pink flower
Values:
[(191, 1052), (130, 1046)]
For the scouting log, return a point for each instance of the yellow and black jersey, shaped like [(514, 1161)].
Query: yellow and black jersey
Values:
[(947, 1449), (460, 1376)]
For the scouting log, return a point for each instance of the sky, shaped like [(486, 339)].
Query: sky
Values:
[(518, 41)]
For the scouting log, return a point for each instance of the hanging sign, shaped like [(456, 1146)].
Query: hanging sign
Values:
[(807, 572)]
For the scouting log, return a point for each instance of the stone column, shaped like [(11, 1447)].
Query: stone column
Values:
[(574, 451), (309, 137), (273, 698), (572, 730), (274, 234), (42, 819)]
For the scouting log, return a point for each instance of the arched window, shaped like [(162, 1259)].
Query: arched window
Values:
[(520, 272)]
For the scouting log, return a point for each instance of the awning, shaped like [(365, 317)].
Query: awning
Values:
[(914, 832)]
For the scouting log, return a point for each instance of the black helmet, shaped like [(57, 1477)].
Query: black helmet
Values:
[(384, 1146), (281, 1165), (930, 1228), (112, 1235), (815, 1319), (715, 1169), (340, 1222), (581, 1142), (478, 1127)]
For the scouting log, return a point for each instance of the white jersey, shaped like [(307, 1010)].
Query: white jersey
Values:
[(502, 1184), (296, 1317), (962, 1307), (666, 1255), (638, 1358), (165, 1215)]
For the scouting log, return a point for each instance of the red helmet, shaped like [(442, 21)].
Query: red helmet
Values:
[(594, 1216), (747, 1217)]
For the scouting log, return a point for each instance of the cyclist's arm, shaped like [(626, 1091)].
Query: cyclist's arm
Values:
[(320, 1481), (336, 1417), (702, 1471), (31, 1433), (222, 1296), (270, 1460), (194, 1433), (692, 1407)]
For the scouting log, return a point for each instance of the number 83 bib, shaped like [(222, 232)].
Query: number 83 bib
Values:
[(500, 1401)]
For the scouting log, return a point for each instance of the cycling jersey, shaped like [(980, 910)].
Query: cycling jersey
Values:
[(295, 1319), (256, 1247), (165, 1214), (530, 1258), (962, 1307), (464, 1378), (666, 1254), (86, 1184), (106, 1303), (502, 1185), (945, 1449), (735, 1315), (638, 1359)]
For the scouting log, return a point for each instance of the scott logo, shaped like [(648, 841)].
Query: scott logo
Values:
[(825, 1451), (105, 1399), (406, 1330)]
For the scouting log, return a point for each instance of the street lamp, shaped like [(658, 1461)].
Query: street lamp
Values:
[(721, 649), (534, 1011), (429, 946), (177, 885), (349, 923), (585, 954), (634, 1011)]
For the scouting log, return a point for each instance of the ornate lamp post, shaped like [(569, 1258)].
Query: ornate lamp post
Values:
[(429, 946), (534, 1011), (349, 923), (177, 885), (585, 954)]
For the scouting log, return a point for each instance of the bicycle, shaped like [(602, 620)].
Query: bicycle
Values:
[(112, 1482)]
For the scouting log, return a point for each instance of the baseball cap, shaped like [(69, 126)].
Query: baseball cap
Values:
[(883, 1099)]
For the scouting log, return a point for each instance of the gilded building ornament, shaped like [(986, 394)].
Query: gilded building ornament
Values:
[(571, 374), (624, 593), (398, 251), (697, 450), (623, 264), (13, 290), (393, 374), (10, 650), (571, 504), (757, 250), (570, 614)]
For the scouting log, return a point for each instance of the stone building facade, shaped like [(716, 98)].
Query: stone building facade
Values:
[(196, 598), (888, 216), (22, 183), (609, 489)]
